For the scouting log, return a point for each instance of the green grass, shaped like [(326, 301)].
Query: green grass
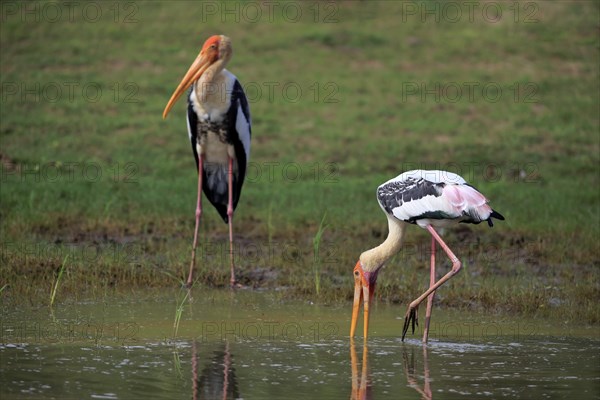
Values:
[(57, 281), (108, 183), (179, 312), (317, 254)]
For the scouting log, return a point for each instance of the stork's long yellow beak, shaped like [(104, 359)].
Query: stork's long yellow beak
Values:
[(362, 291), (200, 64), (356, 306)]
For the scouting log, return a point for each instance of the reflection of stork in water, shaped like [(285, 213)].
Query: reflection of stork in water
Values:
[(361, 386), (409, 369), (217, 379)]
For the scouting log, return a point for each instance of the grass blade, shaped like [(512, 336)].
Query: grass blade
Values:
[(317, 256), (57, 280), (178, 312)]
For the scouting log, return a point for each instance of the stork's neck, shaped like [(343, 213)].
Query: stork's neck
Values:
[(372, 260), (211, 83)]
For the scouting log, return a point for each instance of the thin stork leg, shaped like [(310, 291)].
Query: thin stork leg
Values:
[(198, 214), (232, 281), (411, 314), (430, 297)]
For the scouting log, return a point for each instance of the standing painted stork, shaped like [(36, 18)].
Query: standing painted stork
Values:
[(430, 199), (218, 121)]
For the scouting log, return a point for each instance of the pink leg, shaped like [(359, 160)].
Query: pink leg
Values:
[(430, 297), (198, 214), (411, 314), (230, 219)]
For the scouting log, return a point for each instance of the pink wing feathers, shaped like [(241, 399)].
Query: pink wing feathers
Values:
[(464, 199)]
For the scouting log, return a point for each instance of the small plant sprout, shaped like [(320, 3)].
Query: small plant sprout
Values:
[(57, 280), (178, 312), (317, 256)]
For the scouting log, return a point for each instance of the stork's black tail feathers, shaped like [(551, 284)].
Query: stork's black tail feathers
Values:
[(215, 187), (494, 214)]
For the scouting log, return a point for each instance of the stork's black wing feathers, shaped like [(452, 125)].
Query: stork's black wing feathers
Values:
[(192, 120), (215, 177), (394, 194), (238, 101)]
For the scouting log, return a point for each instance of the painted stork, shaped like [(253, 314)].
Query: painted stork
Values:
[(430, 199), (219, 127)]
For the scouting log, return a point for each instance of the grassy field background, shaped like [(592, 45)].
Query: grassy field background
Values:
[(343, 95)]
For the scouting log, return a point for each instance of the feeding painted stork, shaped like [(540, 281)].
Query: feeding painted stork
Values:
[(430, 199), (219, 127)]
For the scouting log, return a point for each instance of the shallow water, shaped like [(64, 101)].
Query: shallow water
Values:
[(256, 345)]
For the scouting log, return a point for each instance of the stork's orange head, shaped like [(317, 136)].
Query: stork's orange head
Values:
[(212, 41), (216, 47)]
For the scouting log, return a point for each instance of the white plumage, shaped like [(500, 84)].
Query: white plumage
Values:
[(437, 198)]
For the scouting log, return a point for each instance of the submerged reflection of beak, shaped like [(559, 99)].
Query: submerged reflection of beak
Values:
[(361, 386)]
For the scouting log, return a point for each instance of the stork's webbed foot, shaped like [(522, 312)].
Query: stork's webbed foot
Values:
[(412, 315)]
